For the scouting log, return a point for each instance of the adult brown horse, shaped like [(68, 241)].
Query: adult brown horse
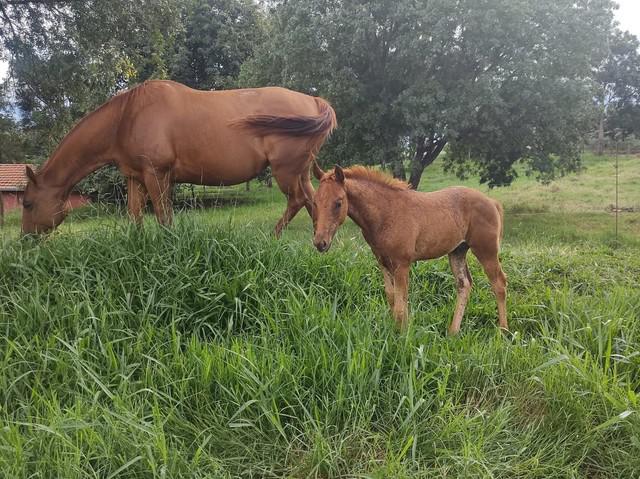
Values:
[(403, 226), (162, 132)]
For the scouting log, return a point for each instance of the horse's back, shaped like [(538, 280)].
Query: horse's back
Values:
[(171, 126)]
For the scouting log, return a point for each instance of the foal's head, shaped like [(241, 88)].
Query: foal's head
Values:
[(329, 208)]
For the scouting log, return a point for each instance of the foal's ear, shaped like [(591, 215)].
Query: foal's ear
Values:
[(339, 174), (31, 175)]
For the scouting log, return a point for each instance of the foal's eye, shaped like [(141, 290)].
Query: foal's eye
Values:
[(338, 204), (27, 204)]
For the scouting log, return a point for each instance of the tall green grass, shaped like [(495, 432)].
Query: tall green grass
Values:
[(213, 350), (217, 351)]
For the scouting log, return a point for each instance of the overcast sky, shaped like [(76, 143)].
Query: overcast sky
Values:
[(628, 15)]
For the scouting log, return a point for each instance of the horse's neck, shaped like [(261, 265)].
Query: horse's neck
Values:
[(366, 203), (82, 151)]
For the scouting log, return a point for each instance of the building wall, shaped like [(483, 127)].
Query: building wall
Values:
[(13, 200)]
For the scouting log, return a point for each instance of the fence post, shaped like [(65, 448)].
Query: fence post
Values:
[(617, 140)]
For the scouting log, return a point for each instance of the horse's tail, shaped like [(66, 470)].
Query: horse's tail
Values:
[(310, 126)]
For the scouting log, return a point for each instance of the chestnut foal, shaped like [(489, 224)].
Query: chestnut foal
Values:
[(403, 226)]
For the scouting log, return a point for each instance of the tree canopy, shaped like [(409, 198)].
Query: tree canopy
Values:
[(500, 81), (493, 83), (68, 57), (619, 82)]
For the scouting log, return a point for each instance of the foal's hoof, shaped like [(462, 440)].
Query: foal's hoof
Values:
[(453, 331)]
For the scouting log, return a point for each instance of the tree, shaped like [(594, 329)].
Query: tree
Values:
[(219, 35), (69, 56), (619, 88), (499, 81), (13, 146)]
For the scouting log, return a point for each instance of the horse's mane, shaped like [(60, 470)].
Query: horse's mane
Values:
[(375, 176)]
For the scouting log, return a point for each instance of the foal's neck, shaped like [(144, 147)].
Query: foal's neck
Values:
[(368, 203)]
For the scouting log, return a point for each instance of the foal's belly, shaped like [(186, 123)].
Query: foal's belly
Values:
[(431, 247)]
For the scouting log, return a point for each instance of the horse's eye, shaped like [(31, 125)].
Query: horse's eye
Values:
[(27, 204), (338, 204)]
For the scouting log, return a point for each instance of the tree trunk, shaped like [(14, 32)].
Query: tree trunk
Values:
[(398, 170), (600, 147), (427, 150)]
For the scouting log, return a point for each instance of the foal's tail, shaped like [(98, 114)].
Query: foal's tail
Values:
[(310, 126)]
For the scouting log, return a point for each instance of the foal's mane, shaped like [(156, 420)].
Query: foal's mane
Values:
[(375, 176)]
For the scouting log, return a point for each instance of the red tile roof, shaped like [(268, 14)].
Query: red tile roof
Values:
[(13, 177)]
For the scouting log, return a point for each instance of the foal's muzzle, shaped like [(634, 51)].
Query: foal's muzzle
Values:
[(321, 244)]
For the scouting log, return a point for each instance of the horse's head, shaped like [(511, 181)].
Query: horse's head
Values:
[(42, 206), (330, 208)]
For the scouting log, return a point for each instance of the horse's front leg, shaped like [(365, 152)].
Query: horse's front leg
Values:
[(399, 306), (136, 199), (158, 184)]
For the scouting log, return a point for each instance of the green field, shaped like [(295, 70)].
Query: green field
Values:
[(213, 350)]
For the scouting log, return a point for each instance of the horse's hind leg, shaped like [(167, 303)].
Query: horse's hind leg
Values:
[(290, 186), (136, 199), (308, 191), (492, 268), (460, 269)]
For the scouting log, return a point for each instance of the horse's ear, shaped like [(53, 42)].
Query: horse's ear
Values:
[(31, 175), (339, 174), (317, 171)]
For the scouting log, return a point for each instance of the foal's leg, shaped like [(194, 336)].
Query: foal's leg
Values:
[(136, 199), (388, 285), (159, 187), (458, 263), (491, 265), (400, 295)]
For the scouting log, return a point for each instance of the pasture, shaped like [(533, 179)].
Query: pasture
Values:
[(213, 350)]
